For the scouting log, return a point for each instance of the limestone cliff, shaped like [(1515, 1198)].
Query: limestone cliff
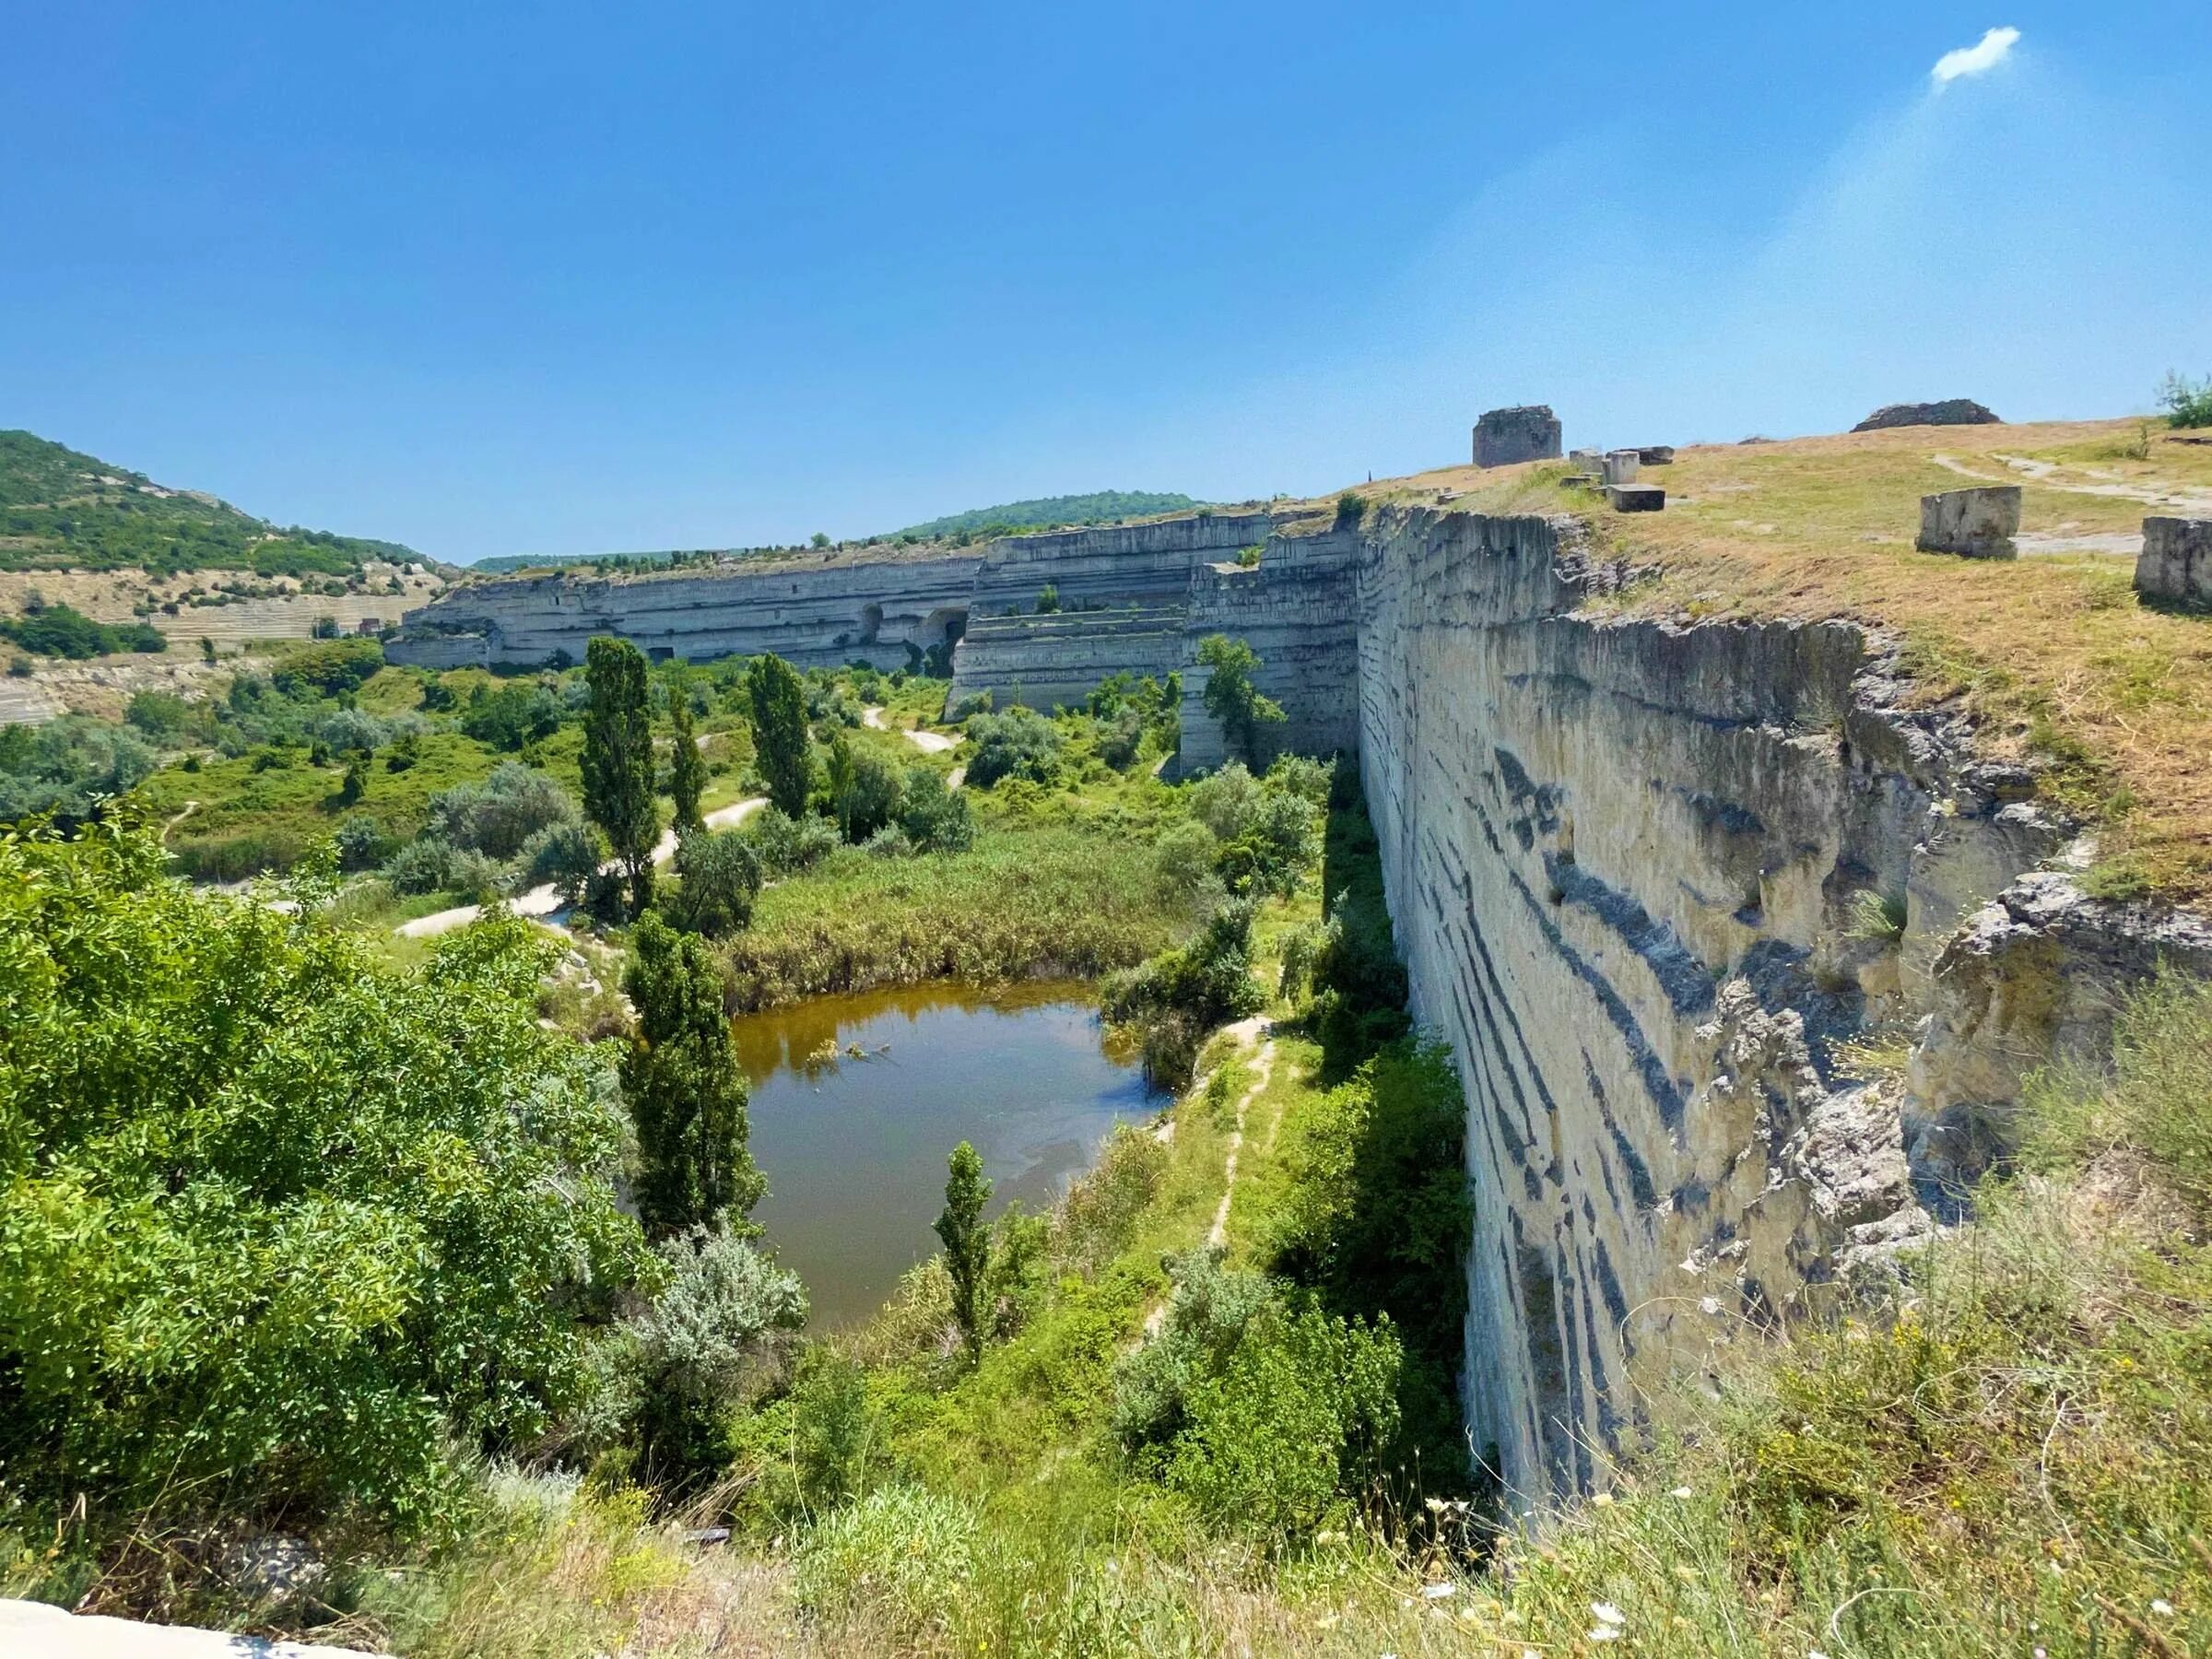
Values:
[(1650, 881)]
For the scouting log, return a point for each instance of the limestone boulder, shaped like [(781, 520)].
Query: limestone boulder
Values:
[(1975, 524), (2176, 561)]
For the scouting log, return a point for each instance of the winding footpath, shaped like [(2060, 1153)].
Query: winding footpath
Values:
[(542, 901)]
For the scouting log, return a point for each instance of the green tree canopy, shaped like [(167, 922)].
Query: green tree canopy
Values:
[(617, 761), (276, 1221), (1231, 696), (685, 1091), (967, 1240), (779, 737), (687, 766)]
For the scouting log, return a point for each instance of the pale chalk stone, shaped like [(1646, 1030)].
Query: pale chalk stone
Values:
[(2176, 561), (1977, 523)]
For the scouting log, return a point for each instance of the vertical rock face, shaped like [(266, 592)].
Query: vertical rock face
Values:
[(814, 612), (1646, 880), (1121, 594)]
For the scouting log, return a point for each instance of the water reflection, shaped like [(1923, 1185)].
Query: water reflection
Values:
[(857, 1100)]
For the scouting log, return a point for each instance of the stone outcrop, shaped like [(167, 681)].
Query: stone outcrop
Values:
[(1949, 411), (816, 610), (1976, 524), (1527, 433), (2176, 561)]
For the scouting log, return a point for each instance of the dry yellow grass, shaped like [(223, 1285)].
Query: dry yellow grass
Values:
[(2052, 654)]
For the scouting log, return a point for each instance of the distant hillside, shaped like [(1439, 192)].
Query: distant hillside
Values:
[(1050, 514), (61, 510)]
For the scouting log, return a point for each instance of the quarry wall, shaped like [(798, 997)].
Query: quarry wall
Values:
[(1662, 888), (1651, 881)]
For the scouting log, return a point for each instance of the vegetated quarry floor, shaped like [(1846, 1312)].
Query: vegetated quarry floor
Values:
[(2054, 655)]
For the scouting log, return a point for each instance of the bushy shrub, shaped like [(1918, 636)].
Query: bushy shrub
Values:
[(508, 716), (1172, 1000), (565, 856), (1120, 736), (890, 842), (351, 730), (345, 1269), (1257, 1404), (362, 842), (2187, 402), (505, 810), (422, 865), (61, 630), (865, 789), (718, 1324), (1020, 742), (788, 846), (159, 714), (236, 857), (327, 670), (1277, 844), (1300, 775), (967, 707), (720, 878), (1224, 800), (1185, 854), (63, 765), (936, 819)]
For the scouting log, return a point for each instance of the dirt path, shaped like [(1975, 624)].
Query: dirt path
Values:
[(1217, 1236), (542, 901), (2151, 492), (929, 743)]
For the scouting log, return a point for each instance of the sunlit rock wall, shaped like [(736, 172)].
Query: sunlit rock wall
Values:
[(1648, 880)]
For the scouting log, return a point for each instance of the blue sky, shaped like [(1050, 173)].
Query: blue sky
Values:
[(562, 279)]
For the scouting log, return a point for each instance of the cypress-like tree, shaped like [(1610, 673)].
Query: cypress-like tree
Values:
[(688, 770), (617, 761), (684, 1088), (780, 736), (967, 1242)]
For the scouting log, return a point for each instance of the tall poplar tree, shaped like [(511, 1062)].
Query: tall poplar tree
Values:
[(617, 761), (967, 1242), (779, 737), (684, 1088), (688, 770)]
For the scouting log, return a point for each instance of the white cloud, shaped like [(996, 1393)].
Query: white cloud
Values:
[(1978, 59)]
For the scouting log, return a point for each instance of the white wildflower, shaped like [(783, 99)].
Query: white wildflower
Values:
[(1438, 1592), (2161, 1606), (1681, 1492), (1607, 1613), (1603, 1633)]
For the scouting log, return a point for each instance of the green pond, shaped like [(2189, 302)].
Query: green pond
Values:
[(853, 1144)]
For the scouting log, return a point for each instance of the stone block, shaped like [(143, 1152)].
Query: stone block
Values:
[(2176, 561), (1619, 467), (1505, 436), (1978, 524), (1636, 498), (1579, 480), (1656, 455), (1586, 460)]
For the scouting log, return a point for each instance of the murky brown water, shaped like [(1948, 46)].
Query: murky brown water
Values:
[(854, 1147)]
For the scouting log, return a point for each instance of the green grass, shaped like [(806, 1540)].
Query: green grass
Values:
[(1055, 901)]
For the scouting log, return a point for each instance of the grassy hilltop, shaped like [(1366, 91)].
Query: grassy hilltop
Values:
[(61, 510), (2061, 667)]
